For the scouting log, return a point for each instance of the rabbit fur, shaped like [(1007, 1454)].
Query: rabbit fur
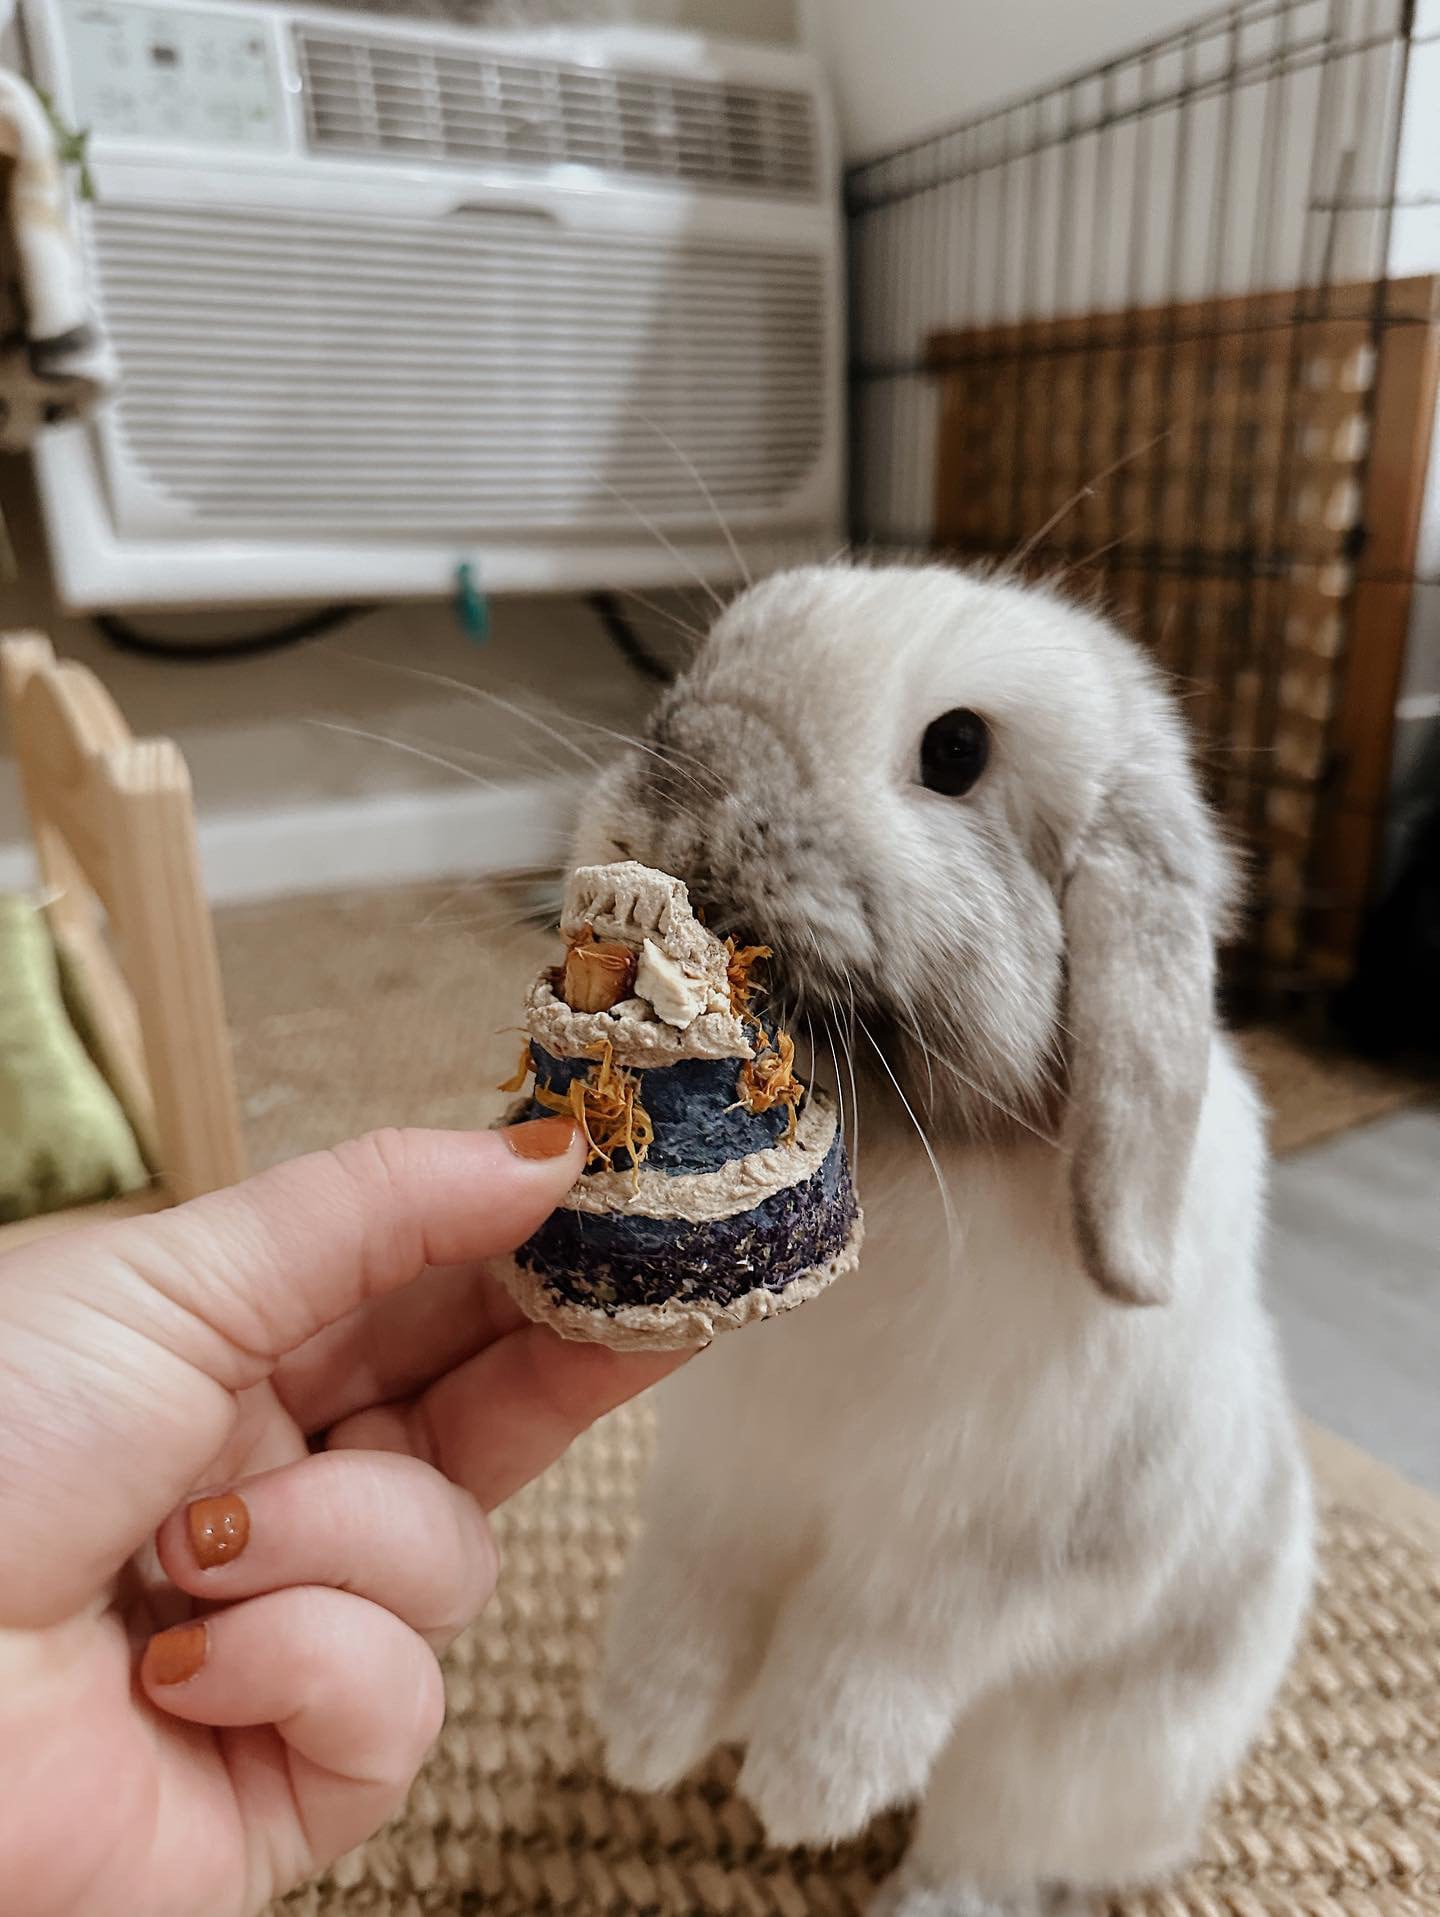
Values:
[(1014, 1519)]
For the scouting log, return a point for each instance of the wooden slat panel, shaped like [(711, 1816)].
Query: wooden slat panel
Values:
[(1417, 298), (1252, 441), (64, 721), (1242, 443), (168, 949)]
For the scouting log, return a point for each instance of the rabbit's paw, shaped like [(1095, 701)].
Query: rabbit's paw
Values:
[(842, 1728), (904, 1897), (656, 1725), (818, 1771), (909, 1893), (672, 1672)]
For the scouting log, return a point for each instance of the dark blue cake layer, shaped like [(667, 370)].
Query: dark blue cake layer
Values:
[(699, 1126), (609, 1260)]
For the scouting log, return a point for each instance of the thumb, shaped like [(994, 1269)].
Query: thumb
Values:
[(233, 1281)]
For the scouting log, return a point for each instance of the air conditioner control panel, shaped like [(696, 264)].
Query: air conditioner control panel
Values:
[(168, 75)]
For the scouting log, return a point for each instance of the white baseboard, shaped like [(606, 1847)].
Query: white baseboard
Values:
[(385, 839)]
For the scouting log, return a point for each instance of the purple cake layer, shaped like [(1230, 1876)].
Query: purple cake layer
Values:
[(608, 1261)]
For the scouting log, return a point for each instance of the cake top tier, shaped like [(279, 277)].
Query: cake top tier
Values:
[(642, 975), (635, 904)]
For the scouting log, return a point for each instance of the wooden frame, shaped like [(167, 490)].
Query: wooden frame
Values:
[(114, 836), (1242, 478)]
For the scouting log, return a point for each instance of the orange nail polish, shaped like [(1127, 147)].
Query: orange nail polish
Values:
[(219, 1529), (175, 1655), (542, 1137)]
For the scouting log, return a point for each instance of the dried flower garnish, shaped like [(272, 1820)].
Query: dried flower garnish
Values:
[(604, 1105), (740, 961), (768, 1080), (523, 1071), (598, 973)]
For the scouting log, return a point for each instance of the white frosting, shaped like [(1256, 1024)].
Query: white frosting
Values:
[(636, 1037)]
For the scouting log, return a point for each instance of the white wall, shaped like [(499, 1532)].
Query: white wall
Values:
[(395, 750), (741, 19), (905, 67)]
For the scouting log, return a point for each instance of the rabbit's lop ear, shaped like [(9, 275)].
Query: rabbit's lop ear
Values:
[(1140, 908)]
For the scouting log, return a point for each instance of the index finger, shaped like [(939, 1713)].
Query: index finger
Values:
[(232, 1281), (499, 1420)]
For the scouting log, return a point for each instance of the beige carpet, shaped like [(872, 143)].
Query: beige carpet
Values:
[(384, 1009)]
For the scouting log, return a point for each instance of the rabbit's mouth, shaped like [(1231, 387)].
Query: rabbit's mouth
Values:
[(801, 981), (854, 1038)]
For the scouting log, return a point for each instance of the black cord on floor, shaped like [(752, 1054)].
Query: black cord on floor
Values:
[(243, 645), (128, 638), (627, 641)]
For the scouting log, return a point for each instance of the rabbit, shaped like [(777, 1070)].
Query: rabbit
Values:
[(1013, 1520)]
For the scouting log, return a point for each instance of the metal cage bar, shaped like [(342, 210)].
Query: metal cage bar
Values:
[(1153, 329)]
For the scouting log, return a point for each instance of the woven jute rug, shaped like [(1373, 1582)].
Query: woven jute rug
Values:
[(1337, 1813), (389, 1009)]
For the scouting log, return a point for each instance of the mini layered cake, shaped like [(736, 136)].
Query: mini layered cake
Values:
[(716, 1190)]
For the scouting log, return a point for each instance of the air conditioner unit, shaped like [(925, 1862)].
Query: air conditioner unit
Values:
[(389, 297)]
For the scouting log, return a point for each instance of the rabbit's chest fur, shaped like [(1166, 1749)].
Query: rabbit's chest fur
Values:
[(961, 1477), (967, 1377)]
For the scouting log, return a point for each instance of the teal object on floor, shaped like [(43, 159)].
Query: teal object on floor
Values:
[(472, 607)]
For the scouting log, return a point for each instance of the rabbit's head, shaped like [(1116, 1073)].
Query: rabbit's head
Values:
[(962, 814)]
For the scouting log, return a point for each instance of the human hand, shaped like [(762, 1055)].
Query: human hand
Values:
[(201, 1769)]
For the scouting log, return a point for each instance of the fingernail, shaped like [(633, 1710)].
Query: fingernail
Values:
[(542, 1137), (219, 1529), (175, 1655)]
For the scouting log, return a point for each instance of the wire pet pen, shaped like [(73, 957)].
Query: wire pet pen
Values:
[(1172, 327)]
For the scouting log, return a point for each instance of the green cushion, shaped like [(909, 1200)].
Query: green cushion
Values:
[(63, 1138)]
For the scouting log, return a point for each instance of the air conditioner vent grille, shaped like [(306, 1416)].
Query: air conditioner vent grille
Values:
[(416, 101), (298, 373)]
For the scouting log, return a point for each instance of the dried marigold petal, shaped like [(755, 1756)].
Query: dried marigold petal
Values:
[(523, 1071), (605, 1105), (740, 961), (768, 1080)]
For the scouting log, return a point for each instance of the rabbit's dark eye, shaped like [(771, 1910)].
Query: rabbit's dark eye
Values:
[(954, 752)]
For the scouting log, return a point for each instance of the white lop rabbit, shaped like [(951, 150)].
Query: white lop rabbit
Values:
[(1014, 1518)]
